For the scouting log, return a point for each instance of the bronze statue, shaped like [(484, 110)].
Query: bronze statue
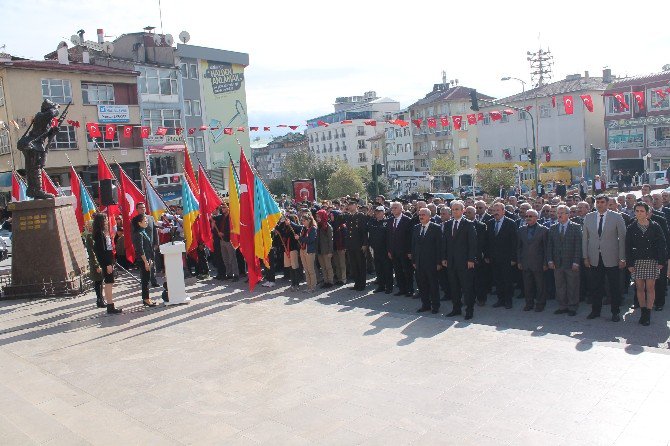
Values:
[(35, 144)]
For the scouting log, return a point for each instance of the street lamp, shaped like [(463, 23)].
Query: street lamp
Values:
[(523, 95), (582, 163)]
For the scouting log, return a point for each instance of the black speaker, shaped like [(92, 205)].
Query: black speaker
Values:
[(109, 194)]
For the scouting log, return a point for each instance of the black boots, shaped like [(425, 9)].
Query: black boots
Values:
[(112, 310), (645, 316), (100, 303)]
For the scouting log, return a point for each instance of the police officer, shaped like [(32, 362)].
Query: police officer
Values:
[(377, 229), (356, 243)]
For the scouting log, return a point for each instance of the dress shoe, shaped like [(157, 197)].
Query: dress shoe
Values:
[(422, 310), (481, 303), (658, 308), (527, 308), (539, 309), (149, 303), (572, 313), (379, 290), (454, 312), (339, 282), (435, 311), (388, 291), (468, 315), (508, 306), (593, 315), (154, 284), (399, 293), (561, 311), (616, 318), (353, 288), (499, 304), (409, 294), (112, 310)]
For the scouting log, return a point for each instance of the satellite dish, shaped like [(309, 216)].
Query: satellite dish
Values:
[(158, 39), (169, 40), (108, 47), (75, 39), (184, 36)]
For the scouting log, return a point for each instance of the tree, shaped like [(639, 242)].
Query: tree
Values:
[(491, 179), (384, 186), (443, 166), (278, 186), (345, 181)]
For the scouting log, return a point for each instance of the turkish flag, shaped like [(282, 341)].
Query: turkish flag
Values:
[(127, 131), (568, 104), (110, 131), (48, 185), (495, 115), (266, 129), (639, 97), (444, 121), (508, 111), (588, 101), (457, 121), (401, 123), (293, 127), (480, 116), (209, 201), (472, 119), (161, 131), (247, 232), (240, 129), (621, 99), (347, 121), (227, 131), (93, 130), (321, 123), (660, 93), (54, 122), (129, 196), (191, 130), (284, 125), (417, 122), (371, 122), (203, 128), (253, 129), (144, 132), (553, 101), (432, 123), (528, 107), (178, 130)]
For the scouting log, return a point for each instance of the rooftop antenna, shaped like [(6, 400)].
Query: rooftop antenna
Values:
[(444, 77), (160, 15)]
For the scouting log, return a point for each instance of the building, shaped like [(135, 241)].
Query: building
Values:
[(399, 156), (430, 142), (638, 139), (269, 159), (563, 141), (24, 84), (346, 136)]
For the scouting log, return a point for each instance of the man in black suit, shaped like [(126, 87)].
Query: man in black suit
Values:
[(427, 256), (482, 274), (460, 254), (561, 190), (502, 193), (501, 254), (398, 241)]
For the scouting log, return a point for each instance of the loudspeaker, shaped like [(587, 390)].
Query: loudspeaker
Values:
[(109, 194)]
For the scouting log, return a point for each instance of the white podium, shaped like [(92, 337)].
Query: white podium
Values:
[(174, 272)]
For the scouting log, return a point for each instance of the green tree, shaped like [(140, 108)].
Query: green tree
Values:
[(345, 181), (277, 186), (491, 179), (443, 166), (384, 186)]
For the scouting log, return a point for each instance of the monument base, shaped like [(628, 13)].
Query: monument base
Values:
[(48, 255)]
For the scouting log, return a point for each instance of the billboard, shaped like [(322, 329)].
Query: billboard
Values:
[(225, 107)]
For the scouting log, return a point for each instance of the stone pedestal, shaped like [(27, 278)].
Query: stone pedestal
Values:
[(174, 272), (48, 254)]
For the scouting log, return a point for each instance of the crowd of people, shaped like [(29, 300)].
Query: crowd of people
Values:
[(576, 249)]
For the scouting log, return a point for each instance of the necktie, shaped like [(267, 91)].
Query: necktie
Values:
[(498, 226), (562, 230), (423, 231), (600, 225), (395, 223), (453, 232)]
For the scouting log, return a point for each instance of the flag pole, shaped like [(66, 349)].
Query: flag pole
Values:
[(81, 182), (148, 183)]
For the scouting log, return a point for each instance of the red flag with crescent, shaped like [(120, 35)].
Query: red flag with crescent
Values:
[(472, 119), (569, 105), (444, 121), (588, 101), (621, 99), (639, 97), (432, 123), (417, 122), (457, 121), (144, 132), (110, 131), (127, 131)]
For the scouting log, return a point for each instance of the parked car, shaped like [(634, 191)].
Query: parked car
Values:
[(446, 196), (6, 241), (657, 178), (467, 190)]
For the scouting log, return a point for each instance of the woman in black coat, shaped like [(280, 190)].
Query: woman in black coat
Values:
[(104, 252), (645, 257), (144, 254)]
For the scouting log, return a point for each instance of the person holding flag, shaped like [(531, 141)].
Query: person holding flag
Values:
[(152, 232)]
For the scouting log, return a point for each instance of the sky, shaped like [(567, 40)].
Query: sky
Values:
[(304, 54)]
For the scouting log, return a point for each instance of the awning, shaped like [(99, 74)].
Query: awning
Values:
[(564, 163), (524, 164)]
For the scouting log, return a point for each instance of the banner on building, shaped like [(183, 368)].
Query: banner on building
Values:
[(113, 113), (226, 108)]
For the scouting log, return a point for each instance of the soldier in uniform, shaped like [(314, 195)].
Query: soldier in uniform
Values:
[(377, 229), (356, 243)]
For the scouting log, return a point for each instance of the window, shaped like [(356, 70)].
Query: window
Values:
[(523, 116), (183, 69), (625, 138), (487, 119), (148, 80), (2, 94), (464, 124), (654, 101), (197, 110), (191, 143), (4, 142), (311, 139), (330, 135), (58, 90), (360, 130), (398, 133), (464, 162), (408, 147), (612, 106), (398, 149), (94, 94), (187, 107), (104, 143), (330, 146), (546, 149), (504, 118), (193, 71), (199, 144), (362, 157), (361, 144), (488, 153), (337, 146), (405, 131), (430, 111), (564, 149), (168, 82), (545, 111), (343, 135), (65, 139), (162, 118), (524, 150)]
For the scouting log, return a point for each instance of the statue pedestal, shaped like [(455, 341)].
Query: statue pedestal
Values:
[(48, 254), (174, 272)]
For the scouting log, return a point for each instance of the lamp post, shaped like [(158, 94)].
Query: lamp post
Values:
[(523, 95), (582, 163)]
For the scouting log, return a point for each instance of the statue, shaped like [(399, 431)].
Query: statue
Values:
[(35, 144)]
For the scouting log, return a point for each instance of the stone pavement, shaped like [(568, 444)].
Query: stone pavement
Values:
[(340, 368)]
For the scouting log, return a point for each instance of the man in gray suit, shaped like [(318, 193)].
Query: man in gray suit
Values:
[(604, 253), (564, 253), (531, 258)]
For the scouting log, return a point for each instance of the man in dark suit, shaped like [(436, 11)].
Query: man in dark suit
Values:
[(502, 192), (460, 254), (427, 256), (501, 254), (531, 254), (564, 254), (660, 215), (399, 233), (482, 272), (561, 189)]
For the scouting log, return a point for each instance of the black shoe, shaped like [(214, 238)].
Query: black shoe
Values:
[(645, 319), (434, 311), (112, 310), (499, 304), (527, 308), (616, 317), (481, 303), (468, 315), (658, 308), (454, 312), (399, 293), (572, 313), (379, 290), (154, 284), (100, 303), (409, 294), (562, 311), (539, 309), (327, 285), (422, 310), (339, 282), (388, 291), (235, 279), (508, 306), (593, 315)]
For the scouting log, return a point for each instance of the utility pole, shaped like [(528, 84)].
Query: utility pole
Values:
[(541, 62)]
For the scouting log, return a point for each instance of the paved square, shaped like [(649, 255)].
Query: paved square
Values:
[(336, 368)]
